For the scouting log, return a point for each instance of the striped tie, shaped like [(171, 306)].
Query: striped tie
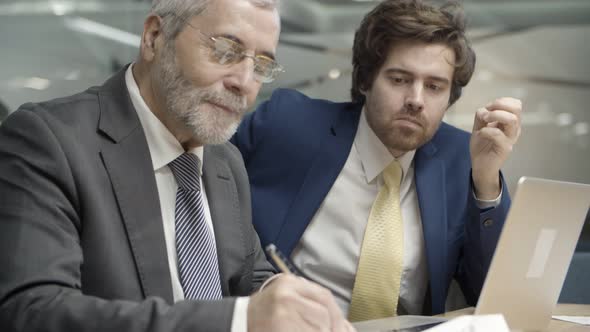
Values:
[(195, 246)]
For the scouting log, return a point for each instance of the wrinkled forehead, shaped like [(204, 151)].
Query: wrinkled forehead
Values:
[(256, 26)]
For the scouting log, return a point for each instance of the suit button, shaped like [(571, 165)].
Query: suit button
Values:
[(488, 222)]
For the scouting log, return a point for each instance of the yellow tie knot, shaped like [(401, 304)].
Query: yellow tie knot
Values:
[(392, 174)]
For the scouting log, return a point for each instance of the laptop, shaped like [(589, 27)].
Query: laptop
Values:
[(534, 252)]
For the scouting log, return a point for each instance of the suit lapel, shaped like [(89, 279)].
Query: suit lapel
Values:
[(128, 164), (328, 162), (222, 197), (432, 197)]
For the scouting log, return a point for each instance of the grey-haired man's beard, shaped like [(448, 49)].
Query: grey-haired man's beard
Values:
[(185, 102)]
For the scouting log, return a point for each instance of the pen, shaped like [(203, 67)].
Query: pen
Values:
[(283, 262), (285, 265)]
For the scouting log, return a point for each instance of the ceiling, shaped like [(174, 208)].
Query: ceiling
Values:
[(536, 50)]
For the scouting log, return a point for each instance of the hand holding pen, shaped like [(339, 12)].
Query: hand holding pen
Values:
[(292, 303)]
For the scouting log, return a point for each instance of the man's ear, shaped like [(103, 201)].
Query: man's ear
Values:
[(151, 37), (363, 91)]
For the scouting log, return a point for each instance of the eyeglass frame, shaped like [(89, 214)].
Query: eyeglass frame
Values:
[(276, 67)]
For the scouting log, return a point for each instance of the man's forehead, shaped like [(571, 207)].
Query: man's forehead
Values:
[(232, 9), (421, 57), (240, 17)]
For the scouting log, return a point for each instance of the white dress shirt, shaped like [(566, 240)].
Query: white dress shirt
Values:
[(329, 249), (164, 148)]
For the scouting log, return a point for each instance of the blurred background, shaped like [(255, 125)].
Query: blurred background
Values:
[(535, 50)]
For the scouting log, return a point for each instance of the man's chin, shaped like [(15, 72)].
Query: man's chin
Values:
[(407, 143), (218, 136)]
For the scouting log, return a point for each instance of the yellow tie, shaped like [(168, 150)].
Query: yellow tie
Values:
[(376, 286)]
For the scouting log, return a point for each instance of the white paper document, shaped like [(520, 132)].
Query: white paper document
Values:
[(584, 320), (483, 323)]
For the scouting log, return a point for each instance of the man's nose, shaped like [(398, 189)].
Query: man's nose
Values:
[(241, 79), (415, 97)]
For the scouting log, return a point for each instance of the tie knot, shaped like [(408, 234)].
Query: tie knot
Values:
[(187, 171), (392, 174)]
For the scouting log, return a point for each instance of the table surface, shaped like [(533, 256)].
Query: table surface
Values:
[(555, 325)]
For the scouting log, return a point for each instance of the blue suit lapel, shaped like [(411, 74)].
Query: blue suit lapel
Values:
[(430, 186), (335, 146)]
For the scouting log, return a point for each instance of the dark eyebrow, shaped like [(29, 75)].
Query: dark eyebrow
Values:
[(405, 72), (239, 41)]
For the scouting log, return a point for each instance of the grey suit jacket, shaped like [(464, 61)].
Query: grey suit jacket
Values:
[(81, 234)]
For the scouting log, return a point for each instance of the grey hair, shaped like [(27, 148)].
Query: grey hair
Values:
[(175, 13)]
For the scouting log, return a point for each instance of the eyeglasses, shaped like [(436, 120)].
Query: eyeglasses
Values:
[(225, 51)]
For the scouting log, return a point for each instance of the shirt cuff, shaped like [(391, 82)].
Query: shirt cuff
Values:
[(485, 203), (239, 322)]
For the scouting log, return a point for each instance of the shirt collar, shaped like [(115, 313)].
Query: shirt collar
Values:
[(163, 146), (373, 153)]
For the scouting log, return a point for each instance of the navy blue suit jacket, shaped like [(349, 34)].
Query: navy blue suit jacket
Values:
[(294, 148)]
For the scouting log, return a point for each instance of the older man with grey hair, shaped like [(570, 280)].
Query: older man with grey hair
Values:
[(124, 208)]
